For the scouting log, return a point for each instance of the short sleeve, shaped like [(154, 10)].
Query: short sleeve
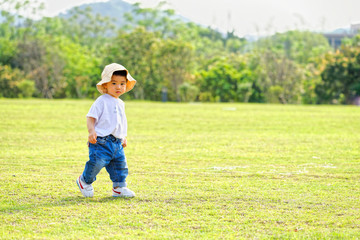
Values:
[(96, 109)]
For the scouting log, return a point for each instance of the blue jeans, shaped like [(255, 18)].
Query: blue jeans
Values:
[(109, 153)]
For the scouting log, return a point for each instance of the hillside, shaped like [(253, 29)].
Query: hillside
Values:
[(114, 9)]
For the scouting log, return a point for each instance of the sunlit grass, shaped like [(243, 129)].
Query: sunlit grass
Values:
[(204, 171)]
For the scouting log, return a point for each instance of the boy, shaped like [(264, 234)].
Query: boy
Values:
[(107, 127)]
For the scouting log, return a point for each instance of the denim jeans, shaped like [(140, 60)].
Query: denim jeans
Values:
[(106, 152)]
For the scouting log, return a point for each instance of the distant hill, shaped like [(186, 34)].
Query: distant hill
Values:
[(114, 9)]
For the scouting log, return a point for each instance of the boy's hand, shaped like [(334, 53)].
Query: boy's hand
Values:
[(92, 137), (90, 122), (124, 143)]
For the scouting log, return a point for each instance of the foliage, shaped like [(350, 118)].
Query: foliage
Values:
[(42, 63), (341, 77), (11, 82), (188, 92), (226, 80), (27, 88), (65, 55), (81, 71), (8, 49), (288, 67), (88, 29), (312, 79), (158, 20), (278, 78), (174, 60), (302, 47), (21, 8)]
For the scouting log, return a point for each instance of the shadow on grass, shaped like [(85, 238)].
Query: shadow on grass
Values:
[(67, 201), (80, 199)]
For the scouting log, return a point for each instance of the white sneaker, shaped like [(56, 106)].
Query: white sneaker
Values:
[(122, 192), (86, 189)]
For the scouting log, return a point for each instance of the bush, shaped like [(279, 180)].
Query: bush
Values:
[(9, 81), (274, 94), (206, 97), (26, 88), (188, 92)]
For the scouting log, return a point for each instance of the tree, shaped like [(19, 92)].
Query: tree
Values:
[(234, 44), (188, 92), (341, 77), (8, 50), (174, 63), (82, 69), (157, 20), (41, 63), (13, 83), (278, 79), (226, 79), (22, 8), (88, 29), (299, 46), (15, 15)]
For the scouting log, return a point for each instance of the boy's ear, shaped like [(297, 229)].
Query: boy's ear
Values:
[(105, 88)]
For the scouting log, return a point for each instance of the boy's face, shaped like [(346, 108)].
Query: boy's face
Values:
[(116, 87)]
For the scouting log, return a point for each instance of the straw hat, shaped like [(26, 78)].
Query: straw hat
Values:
[(107, 74)]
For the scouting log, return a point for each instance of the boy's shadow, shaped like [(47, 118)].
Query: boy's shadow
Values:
[(80, 199), (67, 201)]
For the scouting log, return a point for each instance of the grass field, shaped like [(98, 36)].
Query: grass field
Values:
[(200, 171)]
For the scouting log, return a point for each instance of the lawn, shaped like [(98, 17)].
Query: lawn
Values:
[(200, 171)]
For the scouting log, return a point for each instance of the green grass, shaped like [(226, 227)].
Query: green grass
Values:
[(200, 171)]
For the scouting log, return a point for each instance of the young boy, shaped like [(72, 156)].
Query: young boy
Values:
[(107, 127)]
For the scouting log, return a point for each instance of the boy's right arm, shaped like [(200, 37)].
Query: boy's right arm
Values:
[(90, 122)]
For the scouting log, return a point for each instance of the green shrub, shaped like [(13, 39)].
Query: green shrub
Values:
[(26, 88)]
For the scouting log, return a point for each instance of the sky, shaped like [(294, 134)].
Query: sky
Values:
[(251, 17)]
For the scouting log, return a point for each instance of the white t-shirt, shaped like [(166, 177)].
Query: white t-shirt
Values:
[(109, 113)]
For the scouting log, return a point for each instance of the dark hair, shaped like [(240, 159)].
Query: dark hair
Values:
[(120, 73)]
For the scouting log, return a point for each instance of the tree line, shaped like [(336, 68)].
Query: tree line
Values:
[(63, 58)]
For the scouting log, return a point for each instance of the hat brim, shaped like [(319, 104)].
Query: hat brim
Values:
[(130, 83)]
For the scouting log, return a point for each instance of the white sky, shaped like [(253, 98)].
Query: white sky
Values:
[(251, 17)]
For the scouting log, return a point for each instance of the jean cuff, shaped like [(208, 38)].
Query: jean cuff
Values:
[(119, 184), (82, 179)]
